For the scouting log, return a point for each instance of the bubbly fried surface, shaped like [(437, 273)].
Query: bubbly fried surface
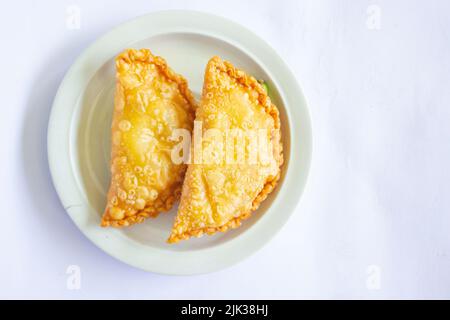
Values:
[(150, 101), (217, 195)]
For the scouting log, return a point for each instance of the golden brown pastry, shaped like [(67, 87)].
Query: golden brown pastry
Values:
[(150, 101), (223, 186)]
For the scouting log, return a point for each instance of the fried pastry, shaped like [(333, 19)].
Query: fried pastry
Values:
[(150, 101), (219, 190)]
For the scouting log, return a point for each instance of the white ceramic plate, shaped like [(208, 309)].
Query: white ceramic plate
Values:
[(79, 139)]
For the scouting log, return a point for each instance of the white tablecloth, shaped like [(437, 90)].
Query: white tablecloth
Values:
[(374, 220)]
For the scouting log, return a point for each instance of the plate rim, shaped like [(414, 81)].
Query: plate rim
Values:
[(61, 166)]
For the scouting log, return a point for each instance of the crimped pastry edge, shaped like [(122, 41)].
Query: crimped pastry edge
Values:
[(249, 82), (134, 55), (145, 56)]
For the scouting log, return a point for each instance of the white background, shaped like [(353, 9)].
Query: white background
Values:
[(374, 220)]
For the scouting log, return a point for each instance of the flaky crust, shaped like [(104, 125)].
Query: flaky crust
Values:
[(167, 198), (145, 56), (264, 100)]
